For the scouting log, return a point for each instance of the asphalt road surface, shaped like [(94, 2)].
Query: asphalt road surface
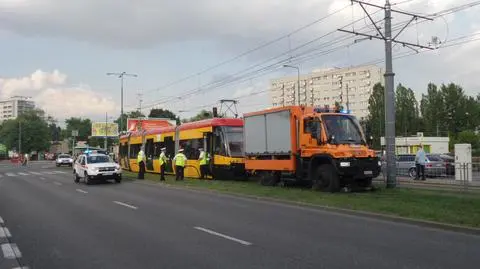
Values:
[(51, 222)]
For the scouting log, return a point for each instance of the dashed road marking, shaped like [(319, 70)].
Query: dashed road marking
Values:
[(42, 178), (126, 205), (22, 174), (57, 183), (35, 173), (59, 172), (223, 236), (11, 251), (5, 233), (1, 220), (10, 174), (82, 191), (48, 173)]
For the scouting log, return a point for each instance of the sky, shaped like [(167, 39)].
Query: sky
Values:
[(189, 54)]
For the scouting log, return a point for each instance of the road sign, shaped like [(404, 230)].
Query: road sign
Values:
[(74, 133)]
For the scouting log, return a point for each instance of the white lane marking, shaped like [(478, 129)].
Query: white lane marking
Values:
[(10, 174), (224, 236), (23, 267), (11, 251), (82, 191), (35, 173), (1, 220), (1, 175), (59, 172), (48, 173), (5, 233), (126, 205), (57, 183), (42, 178), (22, 174)]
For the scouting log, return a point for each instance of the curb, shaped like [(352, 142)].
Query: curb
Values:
[(351, 212)]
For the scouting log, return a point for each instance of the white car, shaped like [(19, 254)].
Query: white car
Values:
[(91, 167), (64, 159)]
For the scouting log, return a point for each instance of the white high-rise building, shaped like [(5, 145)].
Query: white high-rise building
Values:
[(15, 106), (327, 86)]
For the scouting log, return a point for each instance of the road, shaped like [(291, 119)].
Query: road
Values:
[(56, 223)]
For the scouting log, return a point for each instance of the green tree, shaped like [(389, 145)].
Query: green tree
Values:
[(31, 127), (433, 112), (83, 126), (132, 115), (376, 119), (204, 114), (163, 113), (406, 111)]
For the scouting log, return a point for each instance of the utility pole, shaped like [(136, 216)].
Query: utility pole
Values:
[(140, 100), (19, 137), (348, 100), (105, 145), (389, 75), (298, 80), (121, 76)]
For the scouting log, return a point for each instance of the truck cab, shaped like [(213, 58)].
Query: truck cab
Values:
[(324, 147), (332, 144)]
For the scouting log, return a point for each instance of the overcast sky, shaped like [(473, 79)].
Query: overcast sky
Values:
[(58, 52)]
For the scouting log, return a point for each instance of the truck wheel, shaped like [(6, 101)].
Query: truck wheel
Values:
[(269, 178), (326, 179), (365, 183), (118, 179)]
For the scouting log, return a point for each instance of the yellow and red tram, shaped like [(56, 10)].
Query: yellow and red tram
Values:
[(222, 139)]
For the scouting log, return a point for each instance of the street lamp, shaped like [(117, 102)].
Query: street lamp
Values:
[(298, 79), (121, 76)]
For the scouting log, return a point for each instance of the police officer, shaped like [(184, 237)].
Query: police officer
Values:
[(179, 160), (203, 163), (141, 160), (163, 164)]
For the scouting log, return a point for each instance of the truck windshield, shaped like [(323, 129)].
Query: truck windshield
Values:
[(234, 137), (344, 128)]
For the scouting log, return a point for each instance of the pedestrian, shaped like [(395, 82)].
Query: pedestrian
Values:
[(203, 163), (25, 159), (141, 160), (179, 160), (420, 160), (163, 164)]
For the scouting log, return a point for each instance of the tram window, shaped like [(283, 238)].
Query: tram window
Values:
[(157, 149), (219, 146), (190, 148), (149, 148), (134, 149)]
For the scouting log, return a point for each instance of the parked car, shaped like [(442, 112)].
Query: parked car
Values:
[(64, 159), (434, 166), (449, 163)]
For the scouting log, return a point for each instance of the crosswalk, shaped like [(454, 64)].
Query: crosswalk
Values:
[(31, 173)]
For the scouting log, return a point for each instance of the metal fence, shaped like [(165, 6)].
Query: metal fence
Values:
[(461, 176)]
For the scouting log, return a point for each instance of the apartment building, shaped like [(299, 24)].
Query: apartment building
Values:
[(11, 108), (351, 87)]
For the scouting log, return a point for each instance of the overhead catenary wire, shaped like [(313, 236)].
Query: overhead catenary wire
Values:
[(243, 74)]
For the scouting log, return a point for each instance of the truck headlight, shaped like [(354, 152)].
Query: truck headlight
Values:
[(379, 163), (344, 164)]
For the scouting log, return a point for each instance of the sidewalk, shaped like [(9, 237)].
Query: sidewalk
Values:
[(434, 183)]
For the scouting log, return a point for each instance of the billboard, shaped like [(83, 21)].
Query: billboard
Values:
[(148, 124), (98, 129)]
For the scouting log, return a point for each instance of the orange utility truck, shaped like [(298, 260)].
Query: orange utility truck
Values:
[(319, 146)]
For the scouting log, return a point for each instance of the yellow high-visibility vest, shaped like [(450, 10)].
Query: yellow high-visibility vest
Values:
[(163, 158), (180, 159), (203, 158), (140, 156)]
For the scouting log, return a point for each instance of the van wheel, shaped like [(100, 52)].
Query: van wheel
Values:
[(326, 179), (269, 178)]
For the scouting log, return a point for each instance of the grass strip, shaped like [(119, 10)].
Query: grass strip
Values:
[(450, 207)]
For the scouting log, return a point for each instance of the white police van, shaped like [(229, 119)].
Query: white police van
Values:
[(95, 166)]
